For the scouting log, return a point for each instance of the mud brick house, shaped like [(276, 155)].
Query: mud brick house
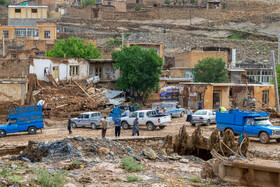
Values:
[(120, 5), (29, 32), (13, 81), (74, 69), (215, 95), (157, 46)]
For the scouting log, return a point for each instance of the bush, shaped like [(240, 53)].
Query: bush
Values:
[(195, 179), (89, 2), (167, 2), (138, 7), (236, 36), (130, 164), (50, 179), (4, 2), (131, 178), (127, 34), (114, 42)]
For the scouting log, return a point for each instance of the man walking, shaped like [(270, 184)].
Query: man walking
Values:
[(135, 128), (69, 125), (189, 116), (104, 127), (117, 121)]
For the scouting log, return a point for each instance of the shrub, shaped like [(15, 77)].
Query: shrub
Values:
[(50, 179), (167, 2), (195, 179), (131, 178), (89, 2), (114, 42), (127, 34), (130, 164), (4, 2), (138, 7), (236, 36)]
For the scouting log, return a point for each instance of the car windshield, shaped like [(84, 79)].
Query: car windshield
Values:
[(263, 122), (200, 112)]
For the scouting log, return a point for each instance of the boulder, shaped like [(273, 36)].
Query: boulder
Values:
[(150, 153), (104, 150)]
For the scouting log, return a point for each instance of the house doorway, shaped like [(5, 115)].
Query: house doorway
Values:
[(55, 72), (216, 98)]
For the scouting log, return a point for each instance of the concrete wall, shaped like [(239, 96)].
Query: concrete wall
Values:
[(38, 67), (178, 73), (189, 59), (13, 68), (120, 6), (208, 97), (224, 97)]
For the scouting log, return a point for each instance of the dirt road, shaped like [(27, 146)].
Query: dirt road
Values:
[(58, 130)]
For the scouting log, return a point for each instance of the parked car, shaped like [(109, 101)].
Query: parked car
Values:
[(29, 118), (172, 108), (90, 119), (251, 123), (204, 116), (148, 118)]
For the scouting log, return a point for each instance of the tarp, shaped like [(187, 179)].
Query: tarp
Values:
[(110, 94)]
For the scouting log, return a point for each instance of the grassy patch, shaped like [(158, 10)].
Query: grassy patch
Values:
[(195, 179), (138, 7), (130, 164), (131, 178), (236, 36), (49, 179)]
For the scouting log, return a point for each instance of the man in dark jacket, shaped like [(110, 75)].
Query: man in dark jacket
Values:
[(117, 122), (69, 125), (104, 127), (135, 128)]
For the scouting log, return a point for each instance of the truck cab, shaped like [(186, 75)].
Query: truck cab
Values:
[(251, 123), (172, 108), (23, 119)]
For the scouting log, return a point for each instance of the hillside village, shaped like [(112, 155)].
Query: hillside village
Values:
[(180, 34)]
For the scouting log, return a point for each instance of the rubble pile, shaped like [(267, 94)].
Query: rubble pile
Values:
[(69, 148)]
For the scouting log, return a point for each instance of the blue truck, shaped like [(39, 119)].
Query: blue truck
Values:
[(24, 119), (251, 123)]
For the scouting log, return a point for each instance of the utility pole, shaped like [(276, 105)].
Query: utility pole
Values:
[(275, 82), (278, 55), (3, 45)]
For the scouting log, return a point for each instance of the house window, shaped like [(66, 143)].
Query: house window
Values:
[(32, 32), (17, 10), (98, 72), (47, 34), (265, 95), (74, 70), (33, 10), (20, 32), (14, 55), (6, 34), (189, 74)]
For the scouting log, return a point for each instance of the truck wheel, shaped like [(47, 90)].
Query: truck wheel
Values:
[(182, 114), (74, 125), (264, 138), (2, 133), (208, 122), (150, 127), (93, 126), (277, 140), (125, 125), (32, 130), (162, 127)]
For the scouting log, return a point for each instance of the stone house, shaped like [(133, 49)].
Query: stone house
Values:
[(157, 46)]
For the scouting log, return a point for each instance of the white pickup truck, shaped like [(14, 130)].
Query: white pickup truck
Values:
[(148, 118), (90, 119)]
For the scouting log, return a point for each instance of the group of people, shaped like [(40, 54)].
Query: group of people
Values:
[(117, 123)]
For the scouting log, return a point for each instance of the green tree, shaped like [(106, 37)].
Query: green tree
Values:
[(140, 69), (89, 2), (210, 70), (74, 47), (4, 2), (167, 2)]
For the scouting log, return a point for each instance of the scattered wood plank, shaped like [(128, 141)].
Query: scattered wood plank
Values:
[(50, 77), (84, 91)]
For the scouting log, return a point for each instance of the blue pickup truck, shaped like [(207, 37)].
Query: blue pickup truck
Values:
[(29, 118), (251, 123)]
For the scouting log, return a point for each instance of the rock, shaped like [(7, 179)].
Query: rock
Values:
[(13, 166), (151, 154), (129, 149), (103, 150), (97, 160), (162, 152), (136, 157), (85, 179), (183, 160), (25, 159), (14, 185), (79, 138), (112, 153), (174, 157)]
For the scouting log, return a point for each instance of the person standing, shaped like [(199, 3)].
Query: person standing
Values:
[(117, 122), (164, 111), (127, 113), (189, 115), (135, 128), (104, 127), (69, 125), (157, 109), (200, 105)]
